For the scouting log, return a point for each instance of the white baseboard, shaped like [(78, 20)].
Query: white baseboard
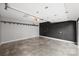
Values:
[(17, 40), (78, 45), (58, 39)]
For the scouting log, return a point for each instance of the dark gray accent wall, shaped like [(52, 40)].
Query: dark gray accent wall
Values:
[(62, 30), (0, 32)]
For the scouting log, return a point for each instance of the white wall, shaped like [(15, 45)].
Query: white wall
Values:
[(12, 32)]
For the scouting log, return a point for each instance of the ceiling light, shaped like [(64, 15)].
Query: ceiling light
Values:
[(46, 7), (36, 18)]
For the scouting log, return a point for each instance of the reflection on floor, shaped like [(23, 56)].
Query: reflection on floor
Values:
[(38, 46)]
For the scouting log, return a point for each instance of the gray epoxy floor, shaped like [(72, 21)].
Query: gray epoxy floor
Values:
[(38, 46)]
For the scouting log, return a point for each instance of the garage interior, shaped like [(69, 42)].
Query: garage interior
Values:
[(39, 29)]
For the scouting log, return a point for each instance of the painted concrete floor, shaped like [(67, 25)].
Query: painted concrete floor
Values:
[(38, 46)]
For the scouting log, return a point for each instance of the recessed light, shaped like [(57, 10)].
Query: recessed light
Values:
[(47, 17), (55, 15), (37, 12), (66, 12), (46, 7)]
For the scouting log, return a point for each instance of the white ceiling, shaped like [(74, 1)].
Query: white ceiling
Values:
[(49, 12), (73, 9), (53, 12)]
